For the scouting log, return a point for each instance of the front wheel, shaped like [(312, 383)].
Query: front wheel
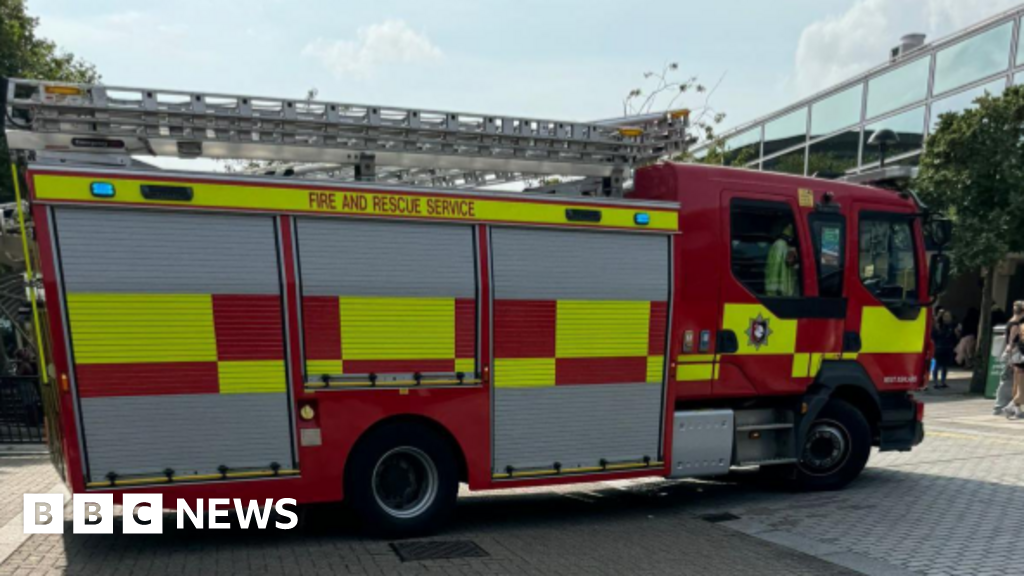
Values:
[(402, 480), (836, 448)]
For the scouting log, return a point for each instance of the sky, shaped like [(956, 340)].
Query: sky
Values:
[(563, 59)]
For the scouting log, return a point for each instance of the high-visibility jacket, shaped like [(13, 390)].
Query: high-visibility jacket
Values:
[(780, 277)]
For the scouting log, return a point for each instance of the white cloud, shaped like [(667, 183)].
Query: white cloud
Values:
[(839, 47), (390, 42)]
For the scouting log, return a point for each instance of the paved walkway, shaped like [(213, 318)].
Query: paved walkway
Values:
[(953, 506)]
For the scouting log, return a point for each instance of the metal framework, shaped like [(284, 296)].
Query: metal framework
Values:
[(355, 141), (758, 129)]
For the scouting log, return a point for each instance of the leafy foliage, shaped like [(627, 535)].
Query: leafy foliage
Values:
[(25, 55), (973, 169)]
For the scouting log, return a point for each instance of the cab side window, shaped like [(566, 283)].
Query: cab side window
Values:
[(765, 248), (828, 236), (887, 258)]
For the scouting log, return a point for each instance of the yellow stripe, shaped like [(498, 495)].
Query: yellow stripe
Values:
[(849, 355), (379, 328), (801, 364), (76, 188), (465, 365), (128, 328), (696, 358), (714, 372), (524, 372), (782, 337), (815, 366), (251, 376), (33, 291), (655, 368), (881, 332), (596, 329), (317, 368), (694, 372)]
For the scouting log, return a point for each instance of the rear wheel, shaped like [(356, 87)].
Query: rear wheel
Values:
[(836, 448), (402, 480)]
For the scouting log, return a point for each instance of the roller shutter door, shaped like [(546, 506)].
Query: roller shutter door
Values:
[(390, 299), (176, 331), (579, 346)]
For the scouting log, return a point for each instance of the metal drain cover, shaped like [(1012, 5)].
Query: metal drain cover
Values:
[(437, 550), (720, 517)]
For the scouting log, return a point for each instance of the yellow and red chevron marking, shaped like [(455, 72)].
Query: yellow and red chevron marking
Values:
[(566, 342), (144, 344), (375, 334)]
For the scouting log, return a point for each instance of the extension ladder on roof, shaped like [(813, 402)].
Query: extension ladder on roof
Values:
[(348, 140)]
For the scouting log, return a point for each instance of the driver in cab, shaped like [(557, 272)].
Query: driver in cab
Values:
[(782, 266)]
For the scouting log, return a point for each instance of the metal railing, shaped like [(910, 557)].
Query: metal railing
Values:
[(21, 410)]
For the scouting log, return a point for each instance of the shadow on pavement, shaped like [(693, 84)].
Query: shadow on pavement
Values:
[(660, 511)]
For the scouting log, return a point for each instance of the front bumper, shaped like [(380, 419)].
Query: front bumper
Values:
[(900, 428)]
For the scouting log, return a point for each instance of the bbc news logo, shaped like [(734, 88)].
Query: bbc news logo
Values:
[(143, 513)]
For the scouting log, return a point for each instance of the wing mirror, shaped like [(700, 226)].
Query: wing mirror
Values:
[(938, 232), (938, 274)]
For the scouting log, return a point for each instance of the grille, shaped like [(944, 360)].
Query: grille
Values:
[(719, 517), (437, 550)]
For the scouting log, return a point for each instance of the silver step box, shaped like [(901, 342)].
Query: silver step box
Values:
[(702, 443)]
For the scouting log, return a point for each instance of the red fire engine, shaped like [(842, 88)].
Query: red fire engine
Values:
[(278, 333)]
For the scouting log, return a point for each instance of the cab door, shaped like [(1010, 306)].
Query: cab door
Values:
[(887, 288), (778, 324), (822, 336)]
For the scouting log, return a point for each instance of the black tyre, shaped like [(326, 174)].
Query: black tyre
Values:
[(402, 480), (835, 450)]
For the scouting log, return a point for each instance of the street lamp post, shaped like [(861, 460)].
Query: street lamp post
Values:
[(883, 138)]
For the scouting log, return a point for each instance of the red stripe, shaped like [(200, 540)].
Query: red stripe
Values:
[(248, 327), (465, 328), (397, 366), (291, 303), (524, 328), (159, 378), (600, 370), (656, 329), (321, 327)]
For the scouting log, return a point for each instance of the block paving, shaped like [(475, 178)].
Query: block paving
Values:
[(953, 506)]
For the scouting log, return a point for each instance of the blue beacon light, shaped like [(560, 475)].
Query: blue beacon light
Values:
[(102, 189)]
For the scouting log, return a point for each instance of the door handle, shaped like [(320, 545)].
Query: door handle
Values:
[(727, 342), (851, 342)]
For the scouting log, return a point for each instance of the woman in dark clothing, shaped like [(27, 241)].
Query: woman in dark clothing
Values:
[(944, 337)]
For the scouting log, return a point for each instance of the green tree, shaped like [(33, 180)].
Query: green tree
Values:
[(25, 55), (973, 169)]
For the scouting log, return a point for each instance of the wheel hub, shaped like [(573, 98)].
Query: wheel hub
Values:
[(826, 448), (405, 482)]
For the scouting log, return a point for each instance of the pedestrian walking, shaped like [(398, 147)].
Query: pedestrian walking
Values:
[(1015, 348), (1004, 393), (945, 339)]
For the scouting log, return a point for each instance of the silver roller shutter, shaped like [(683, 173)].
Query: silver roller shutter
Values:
[(372, 258), (122, 253), (577, 425)]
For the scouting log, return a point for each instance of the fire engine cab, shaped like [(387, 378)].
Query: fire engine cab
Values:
[(367, 319)]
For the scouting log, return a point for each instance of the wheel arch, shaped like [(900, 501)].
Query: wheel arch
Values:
[(844, 380), (416, 420)]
